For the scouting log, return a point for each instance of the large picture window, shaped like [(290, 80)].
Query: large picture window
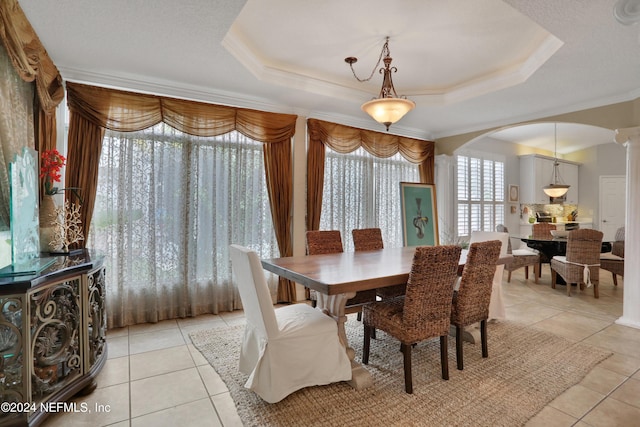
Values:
[(168, 206), (361, 191), (480, 192)]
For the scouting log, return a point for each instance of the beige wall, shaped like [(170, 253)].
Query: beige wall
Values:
[(614, 116)]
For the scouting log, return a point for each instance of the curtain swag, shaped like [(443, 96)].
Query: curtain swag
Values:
[(28, 55), (94, 109), (33, 64), (111, 109), (345, 139)]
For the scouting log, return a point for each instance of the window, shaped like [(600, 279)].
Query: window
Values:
[(361, 191), (168, 206), (480, 192)]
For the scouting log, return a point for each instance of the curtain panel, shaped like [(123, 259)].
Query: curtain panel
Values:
[(16, 128), (94, 109), (33, 64), (345, 139)]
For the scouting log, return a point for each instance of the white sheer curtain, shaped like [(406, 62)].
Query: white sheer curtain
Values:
[(168, 206), (16, 126), (362, 191)]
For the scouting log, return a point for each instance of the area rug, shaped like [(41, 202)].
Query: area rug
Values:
[(526, 369)]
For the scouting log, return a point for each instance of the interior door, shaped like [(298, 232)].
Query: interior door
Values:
[(612, 205)]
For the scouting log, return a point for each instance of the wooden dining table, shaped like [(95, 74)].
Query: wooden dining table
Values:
[(337, 277)]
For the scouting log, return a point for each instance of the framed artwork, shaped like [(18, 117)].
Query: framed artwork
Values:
[(514, 193), (419, 214)]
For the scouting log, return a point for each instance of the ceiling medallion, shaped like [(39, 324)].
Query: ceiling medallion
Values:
[(627, 12)]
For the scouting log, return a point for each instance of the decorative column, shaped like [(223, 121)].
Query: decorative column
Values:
[(630, 138)]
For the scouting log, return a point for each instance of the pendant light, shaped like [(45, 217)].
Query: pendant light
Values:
[(388, 107), (556, 188)]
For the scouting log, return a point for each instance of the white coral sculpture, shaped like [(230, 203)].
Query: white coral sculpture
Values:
[(68, 227)]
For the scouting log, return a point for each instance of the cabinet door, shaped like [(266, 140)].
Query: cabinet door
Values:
[(535, 173), (56, 338), (569, 175), (544, 177), (96, 316), (13, 374)]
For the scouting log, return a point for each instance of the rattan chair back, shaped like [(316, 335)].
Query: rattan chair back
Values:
[(583, 246), (471, 302), (367, 239), (427, 302), (542, 229), (324, 242)]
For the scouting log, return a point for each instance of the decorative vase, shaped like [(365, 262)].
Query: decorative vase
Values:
[(47, 227)]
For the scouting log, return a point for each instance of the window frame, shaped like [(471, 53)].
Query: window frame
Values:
[(485, 204)]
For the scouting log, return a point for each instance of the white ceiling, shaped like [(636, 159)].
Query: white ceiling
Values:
[(468, 65)]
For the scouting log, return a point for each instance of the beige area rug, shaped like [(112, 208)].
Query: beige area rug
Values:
[(526, 369)]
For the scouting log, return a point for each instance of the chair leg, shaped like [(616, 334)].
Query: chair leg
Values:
[(509, 277), (359, 316), (366, 344), (540, 270), (615, 279), (526, 272), (536, 273), (596, 290), (553, 278), (444, 356), (459, 348), (569, 289), (373, 333), (408, 378), (483, 338)]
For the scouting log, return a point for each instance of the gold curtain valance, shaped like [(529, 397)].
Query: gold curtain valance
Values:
[(345, 139), (112, 109), (29, 57)]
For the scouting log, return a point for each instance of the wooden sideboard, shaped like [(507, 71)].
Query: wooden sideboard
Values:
[(52, 336)]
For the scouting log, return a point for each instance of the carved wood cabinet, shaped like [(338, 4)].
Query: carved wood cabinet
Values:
[(52, 336)]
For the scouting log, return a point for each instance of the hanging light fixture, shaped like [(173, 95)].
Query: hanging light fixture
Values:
[(388, 107), (555, 189)]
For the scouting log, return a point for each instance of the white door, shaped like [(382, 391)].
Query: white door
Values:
[(612, 205)]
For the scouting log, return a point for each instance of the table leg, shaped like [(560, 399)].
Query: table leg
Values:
[(334, 306)]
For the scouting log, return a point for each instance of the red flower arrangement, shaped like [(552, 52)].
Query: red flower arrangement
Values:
[(50, 164)]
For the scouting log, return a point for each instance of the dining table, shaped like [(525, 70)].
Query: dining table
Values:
[(337, 277)]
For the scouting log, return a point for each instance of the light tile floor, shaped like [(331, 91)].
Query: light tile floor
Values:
[(155, 377)]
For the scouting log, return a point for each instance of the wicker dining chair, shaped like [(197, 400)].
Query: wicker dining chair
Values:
[(521, 258), (543, 229), (581, 264), (614, 261), (330, 242), (540, 229), (471, 300), (423, 312), (369, 239)]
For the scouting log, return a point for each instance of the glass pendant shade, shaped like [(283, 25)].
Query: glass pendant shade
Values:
[(388, 110), (556, 190)]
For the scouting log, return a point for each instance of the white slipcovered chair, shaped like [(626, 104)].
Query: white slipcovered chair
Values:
[(496, 306), (288, 348)]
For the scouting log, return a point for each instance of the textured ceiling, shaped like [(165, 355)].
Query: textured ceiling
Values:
[(467, 65)]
